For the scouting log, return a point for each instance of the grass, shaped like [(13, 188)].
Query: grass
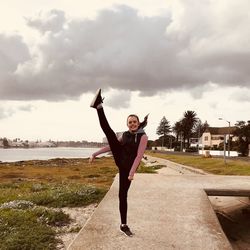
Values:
[(31, 190), (149, 170), (20, 229), (100, 173), (212, 165), (52, 194)]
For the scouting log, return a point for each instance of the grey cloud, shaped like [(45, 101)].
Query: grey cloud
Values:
[(9, 111), (241, 95), (26, 108), (13, 52), (122, 50), (51, 21), (6, 112), (119, 99)]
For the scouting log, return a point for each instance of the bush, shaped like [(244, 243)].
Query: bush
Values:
[(192, 149), (148, 170), (20, 230), (67, 196), (51, 217)]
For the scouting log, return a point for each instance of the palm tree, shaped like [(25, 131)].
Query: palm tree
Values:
[(188, 122), (177, 129)]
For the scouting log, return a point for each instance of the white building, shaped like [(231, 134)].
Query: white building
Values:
[(213, 136)]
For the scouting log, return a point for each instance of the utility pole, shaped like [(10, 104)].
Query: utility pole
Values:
[(225, 149), (228, 138)]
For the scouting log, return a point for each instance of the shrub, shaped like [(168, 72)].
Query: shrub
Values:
[(148, 170), (191, 149), (70, 196), (52, 217), (20, 229)]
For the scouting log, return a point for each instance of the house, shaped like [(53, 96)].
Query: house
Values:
[(213, 136)]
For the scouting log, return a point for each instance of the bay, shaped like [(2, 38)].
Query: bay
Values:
[(23, 154)]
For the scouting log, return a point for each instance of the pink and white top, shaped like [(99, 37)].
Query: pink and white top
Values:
[(140, 152)]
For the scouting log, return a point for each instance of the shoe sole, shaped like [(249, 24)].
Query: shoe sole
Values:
[(94, 99), (126, 234)]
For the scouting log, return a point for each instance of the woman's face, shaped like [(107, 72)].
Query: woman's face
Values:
[(133, 123)]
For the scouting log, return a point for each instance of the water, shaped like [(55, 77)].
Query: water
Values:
[(22, 154)]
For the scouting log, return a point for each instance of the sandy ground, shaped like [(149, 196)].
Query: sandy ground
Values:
[(79, 216)]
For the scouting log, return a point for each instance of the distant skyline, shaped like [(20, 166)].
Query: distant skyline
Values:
[(157, 57)]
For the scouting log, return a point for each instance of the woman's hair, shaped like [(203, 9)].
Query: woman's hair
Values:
[(141, 124)]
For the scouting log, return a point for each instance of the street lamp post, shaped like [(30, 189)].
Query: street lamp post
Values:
[(228, 138), (229, 128), (224, 147)]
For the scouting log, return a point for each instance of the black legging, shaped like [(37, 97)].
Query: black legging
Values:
[(117, 150)]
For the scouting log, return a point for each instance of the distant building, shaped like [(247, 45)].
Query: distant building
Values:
[(213, 136)]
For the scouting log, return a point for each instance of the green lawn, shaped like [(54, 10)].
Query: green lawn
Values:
[(212, 165)]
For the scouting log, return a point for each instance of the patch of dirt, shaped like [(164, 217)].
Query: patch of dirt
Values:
[(79, 216)]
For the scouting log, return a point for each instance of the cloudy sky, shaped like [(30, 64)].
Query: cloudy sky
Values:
[(158, 57)]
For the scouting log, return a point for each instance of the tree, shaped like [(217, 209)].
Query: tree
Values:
[(200, 128), (163, 129), (188, 123), (5, 143), (177, 129), (243, 133)]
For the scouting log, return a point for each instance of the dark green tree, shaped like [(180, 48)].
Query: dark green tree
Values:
[(163, 129), (5, 143), (177, 129), (200, 128), (243, 133), (188, 123)]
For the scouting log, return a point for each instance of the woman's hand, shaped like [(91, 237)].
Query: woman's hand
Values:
[(91, 159), (130, 177)]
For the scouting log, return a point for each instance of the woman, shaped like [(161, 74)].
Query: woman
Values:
[(127, 151)]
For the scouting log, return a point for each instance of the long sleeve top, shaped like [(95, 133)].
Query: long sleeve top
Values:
[(140, 151)]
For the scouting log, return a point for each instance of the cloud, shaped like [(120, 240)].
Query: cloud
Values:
[(26, 108), (119, 99), (48, 21), (201, 42), (13, 51), (241, 95), (7, 111)]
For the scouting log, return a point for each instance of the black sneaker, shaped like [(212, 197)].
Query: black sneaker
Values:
[(125, 229), (97, 99)]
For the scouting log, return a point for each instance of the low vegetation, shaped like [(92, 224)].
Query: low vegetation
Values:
[(32, 194), (29, 228)]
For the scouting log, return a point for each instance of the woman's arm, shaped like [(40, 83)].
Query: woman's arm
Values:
[(101, 151), (140, 152)]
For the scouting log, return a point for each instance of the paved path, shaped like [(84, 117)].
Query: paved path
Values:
[(166, 211)]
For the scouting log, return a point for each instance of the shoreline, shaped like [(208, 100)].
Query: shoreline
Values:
[(12, 155)]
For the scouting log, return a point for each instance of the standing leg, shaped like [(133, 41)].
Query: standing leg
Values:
[(124, 185)]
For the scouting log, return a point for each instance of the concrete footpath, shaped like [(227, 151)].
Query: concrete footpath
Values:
[(166, 211)]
